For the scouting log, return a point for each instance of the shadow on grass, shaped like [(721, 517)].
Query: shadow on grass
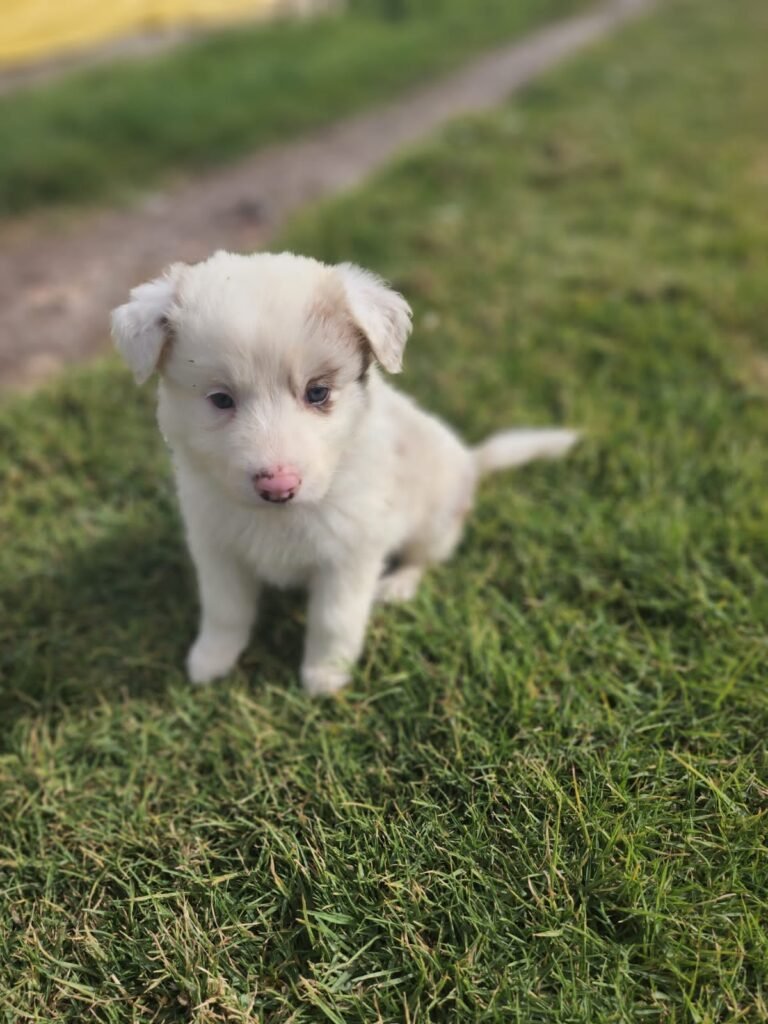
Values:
[(114, 621)]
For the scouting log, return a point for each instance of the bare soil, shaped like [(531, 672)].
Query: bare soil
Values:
[(59, 277)]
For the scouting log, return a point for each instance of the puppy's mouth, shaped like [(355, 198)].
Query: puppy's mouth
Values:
[(276, 499)]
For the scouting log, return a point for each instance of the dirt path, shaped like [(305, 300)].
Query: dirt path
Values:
[(58, 282)]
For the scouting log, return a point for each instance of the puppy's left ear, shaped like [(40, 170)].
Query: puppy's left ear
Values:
[(140, 328), (381, 313)]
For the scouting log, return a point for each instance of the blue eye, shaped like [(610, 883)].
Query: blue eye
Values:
[(317, 394), (221, 400)]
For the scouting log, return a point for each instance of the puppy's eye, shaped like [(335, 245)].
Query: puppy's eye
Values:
[(317, 394), (221, 400)]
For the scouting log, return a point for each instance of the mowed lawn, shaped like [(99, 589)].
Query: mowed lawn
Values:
[(544, 797)]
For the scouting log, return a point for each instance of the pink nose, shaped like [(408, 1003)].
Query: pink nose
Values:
[(278, 484)]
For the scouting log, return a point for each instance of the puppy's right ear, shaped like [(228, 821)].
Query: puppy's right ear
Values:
[(140, 327), (381, 313)]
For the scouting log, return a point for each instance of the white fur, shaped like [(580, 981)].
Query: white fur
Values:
[(139, 326), (384, 315), (380, 478), (516, 447)]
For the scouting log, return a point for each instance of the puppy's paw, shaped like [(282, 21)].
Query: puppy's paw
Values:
[(399, 586), (208, 660), (318, 680)]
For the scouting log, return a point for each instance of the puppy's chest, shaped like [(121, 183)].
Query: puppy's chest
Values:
[(284, 549)]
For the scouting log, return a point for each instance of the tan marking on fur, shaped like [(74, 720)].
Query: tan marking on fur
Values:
[(170, 337), (329, 309)]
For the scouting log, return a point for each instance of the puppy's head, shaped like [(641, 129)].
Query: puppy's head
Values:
[(264, 365)]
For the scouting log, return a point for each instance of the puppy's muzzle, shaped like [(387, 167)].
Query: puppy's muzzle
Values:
[(277, 485)]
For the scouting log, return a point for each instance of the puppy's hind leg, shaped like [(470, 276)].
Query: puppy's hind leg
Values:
[(399, 585), (436, 546), (433, 542)]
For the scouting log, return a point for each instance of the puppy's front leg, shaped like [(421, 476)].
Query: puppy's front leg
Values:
[(340, 600), (228, 598)]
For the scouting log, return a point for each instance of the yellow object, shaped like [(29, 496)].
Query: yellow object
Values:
[(37, 29)]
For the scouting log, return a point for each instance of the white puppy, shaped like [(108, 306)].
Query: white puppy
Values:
[(295, 462)]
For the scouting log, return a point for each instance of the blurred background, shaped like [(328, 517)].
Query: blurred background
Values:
[(40, 30)]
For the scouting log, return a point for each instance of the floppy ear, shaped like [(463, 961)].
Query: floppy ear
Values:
[(381, 313), (140, 327)]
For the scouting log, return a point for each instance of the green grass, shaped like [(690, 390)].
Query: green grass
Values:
[(544, 797), (110, 132)]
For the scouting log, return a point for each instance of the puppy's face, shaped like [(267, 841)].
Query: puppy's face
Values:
[(264, 391), (264, 365)]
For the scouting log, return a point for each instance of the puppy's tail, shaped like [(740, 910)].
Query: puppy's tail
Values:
[(516, 447)]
